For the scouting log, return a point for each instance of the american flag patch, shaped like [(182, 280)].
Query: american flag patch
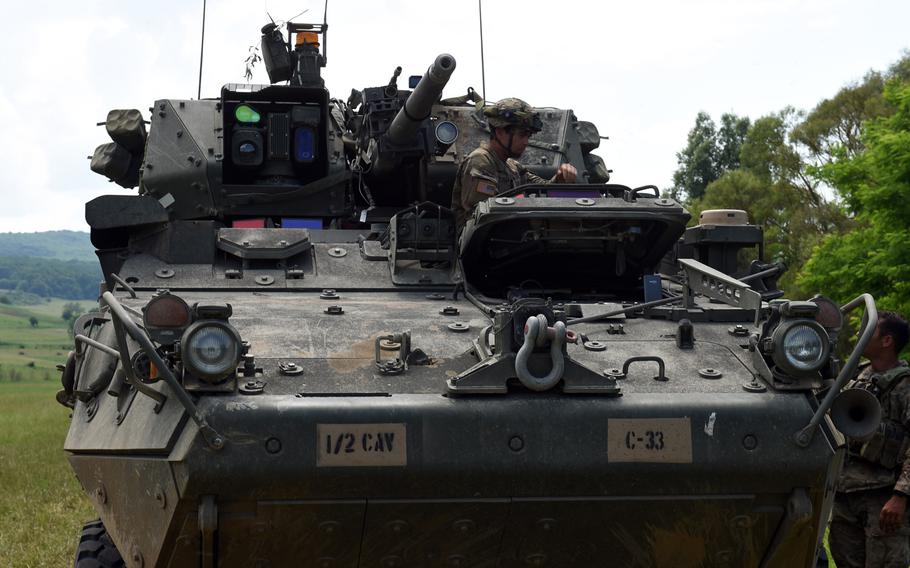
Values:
[(486, 188)]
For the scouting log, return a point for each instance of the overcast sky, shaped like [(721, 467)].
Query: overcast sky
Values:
[(639, 70)]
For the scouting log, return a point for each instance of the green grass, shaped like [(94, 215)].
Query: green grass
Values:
[(42, 507), (30, 353)]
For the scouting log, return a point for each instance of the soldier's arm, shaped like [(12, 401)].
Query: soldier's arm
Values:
[(891, 516), (479, 182), (565, 174), (534, 178), (902, 392)]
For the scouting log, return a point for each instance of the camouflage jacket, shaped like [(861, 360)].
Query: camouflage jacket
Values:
[(481, 175), (884, 460)]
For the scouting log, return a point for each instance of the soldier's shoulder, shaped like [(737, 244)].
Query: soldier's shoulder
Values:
[(516, 166), (900, 376), (480, 164), (480, 155)]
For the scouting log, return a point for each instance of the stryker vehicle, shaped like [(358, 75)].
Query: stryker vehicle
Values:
[(296, 361)]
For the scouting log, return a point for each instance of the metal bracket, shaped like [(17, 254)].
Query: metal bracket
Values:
[(702, 279), (399, 364), (424, 232), (491, 376)]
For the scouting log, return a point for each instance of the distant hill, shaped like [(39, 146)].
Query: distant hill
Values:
[(60, 245), (59, 264), (49, 277)]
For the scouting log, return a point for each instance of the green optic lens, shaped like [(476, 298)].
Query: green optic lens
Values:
[(246, 113)]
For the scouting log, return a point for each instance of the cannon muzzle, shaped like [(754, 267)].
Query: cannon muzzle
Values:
[(418, 106)]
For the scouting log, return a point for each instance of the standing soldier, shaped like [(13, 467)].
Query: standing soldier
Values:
[(493, 167), (869, 525)]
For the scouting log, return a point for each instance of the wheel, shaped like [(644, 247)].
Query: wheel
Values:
[(96, 550)]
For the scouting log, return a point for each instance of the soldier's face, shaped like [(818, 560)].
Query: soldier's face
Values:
[(515, 140), (878, 343)]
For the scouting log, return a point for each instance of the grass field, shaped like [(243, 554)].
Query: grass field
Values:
[(42, 507), (31, 353)]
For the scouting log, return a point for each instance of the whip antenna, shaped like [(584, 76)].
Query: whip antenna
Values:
[(201, 51), (483, 77)]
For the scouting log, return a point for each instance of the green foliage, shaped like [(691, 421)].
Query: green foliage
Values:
[(792, 224), (696, 161), (709, 153), (833, 128), (71, 310), (730, 138), (875, 184), (61, 245), (71, 279)]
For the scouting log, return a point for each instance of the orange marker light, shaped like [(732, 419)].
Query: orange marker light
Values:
[(311, 38)]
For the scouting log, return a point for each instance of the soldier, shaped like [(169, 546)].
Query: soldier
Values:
[(869, 525), (493, 167)]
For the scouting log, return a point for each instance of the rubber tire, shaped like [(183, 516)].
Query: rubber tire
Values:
[(96, 550)]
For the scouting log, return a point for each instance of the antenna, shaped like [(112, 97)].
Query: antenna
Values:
[(483, 77), (201, 51)]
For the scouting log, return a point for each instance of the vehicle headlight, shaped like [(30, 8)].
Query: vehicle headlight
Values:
[(800, 346), (210, 350)]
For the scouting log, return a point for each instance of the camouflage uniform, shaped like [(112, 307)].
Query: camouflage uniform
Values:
[(873, 472), (482, 173)]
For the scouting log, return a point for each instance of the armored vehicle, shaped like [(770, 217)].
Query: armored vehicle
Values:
[(296, 361)]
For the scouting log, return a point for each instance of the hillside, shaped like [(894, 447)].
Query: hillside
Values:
[(59, 264), (60, 245)]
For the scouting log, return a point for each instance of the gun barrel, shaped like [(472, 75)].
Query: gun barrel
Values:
[(418, 106)]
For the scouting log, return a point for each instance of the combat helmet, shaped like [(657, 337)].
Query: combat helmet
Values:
[(512, 112)]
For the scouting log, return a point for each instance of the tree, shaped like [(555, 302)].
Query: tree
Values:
[(709, 153), (773, 185), (730, 138), (768, 153), (834, 127), (875, 183), (697, 160), (71, 310)]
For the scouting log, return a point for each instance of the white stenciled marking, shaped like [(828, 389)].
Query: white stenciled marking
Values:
[(709, 425)]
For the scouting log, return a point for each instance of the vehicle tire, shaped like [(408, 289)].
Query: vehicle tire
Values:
[(96, 549)]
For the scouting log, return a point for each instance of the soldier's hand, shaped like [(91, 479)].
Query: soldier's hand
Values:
[(892, 513), (565, 174)]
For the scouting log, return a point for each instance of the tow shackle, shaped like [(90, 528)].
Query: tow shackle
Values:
[(537, 333)]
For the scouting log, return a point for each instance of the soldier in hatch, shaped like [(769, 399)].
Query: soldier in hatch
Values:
[(869, 525), (493, 167)]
